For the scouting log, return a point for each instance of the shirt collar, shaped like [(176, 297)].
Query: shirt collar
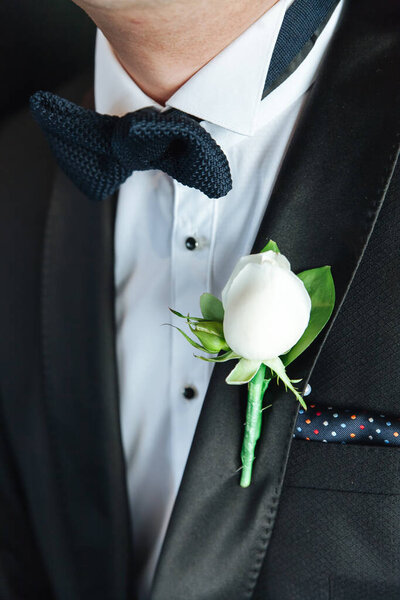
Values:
[(226, 92)]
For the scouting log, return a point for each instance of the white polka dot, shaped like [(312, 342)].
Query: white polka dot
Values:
[(325, 423), (298, 428), (388, 423), (325, 441), (370, 437), (371, 420), (333, 433), (343, 425), (378, 430), (335, 415)]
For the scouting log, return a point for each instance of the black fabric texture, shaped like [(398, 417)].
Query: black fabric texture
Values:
[(22, 571), (336, 534), (371, 334), (65, 557)]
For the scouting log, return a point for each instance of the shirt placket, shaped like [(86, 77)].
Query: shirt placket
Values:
[(192, 244)]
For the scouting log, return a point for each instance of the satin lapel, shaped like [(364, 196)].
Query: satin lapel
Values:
[(322, 211), (81, 393)]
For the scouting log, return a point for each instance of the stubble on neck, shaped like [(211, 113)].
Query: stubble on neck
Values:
[(162, 43)]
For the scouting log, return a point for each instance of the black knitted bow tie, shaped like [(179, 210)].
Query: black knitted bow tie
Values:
[(99, 152)]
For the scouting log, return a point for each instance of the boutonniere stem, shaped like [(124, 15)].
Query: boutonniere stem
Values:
[(252, 431), (267, 317)]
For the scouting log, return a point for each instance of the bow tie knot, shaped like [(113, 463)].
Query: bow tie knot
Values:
[(147, 139), (99, 152)]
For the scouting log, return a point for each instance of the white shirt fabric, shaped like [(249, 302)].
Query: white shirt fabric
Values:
[(154, 270)]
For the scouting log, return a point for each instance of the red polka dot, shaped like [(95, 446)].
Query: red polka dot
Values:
[(316, 431), (312, 405), (318, 414), (362, 427)]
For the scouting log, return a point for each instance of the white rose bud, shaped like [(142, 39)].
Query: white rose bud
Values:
[(267, 307)]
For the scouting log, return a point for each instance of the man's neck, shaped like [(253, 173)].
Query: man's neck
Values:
[(162, 45)]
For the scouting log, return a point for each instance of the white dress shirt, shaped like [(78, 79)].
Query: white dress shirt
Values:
[(155, 270)]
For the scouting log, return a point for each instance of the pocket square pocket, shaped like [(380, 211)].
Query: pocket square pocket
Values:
[(338, 518), (344, 467), (343, 588)]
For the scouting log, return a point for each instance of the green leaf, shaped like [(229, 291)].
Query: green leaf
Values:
[(211, 307), (277, 366), (243, 372), (321, 288), (214, 327), (271, 246), (178, 314), (187, 317), (210, 334), (230, 355), (212, 343), (189, 339)]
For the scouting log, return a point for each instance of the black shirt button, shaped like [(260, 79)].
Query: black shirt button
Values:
[(191, 243), (189, 392)]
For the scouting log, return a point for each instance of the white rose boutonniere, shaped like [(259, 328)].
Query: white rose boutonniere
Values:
[(267, 308), (268, 316)]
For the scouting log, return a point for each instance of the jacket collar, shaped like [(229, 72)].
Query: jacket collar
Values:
[(322, 211)]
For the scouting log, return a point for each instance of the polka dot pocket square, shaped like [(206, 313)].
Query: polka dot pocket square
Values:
[(346, 426)]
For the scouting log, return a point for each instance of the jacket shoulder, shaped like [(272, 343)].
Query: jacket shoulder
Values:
[(26, 165)]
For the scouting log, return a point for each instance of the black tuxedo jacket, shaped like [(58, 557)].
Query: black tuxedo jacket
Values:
[(320, 521)]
